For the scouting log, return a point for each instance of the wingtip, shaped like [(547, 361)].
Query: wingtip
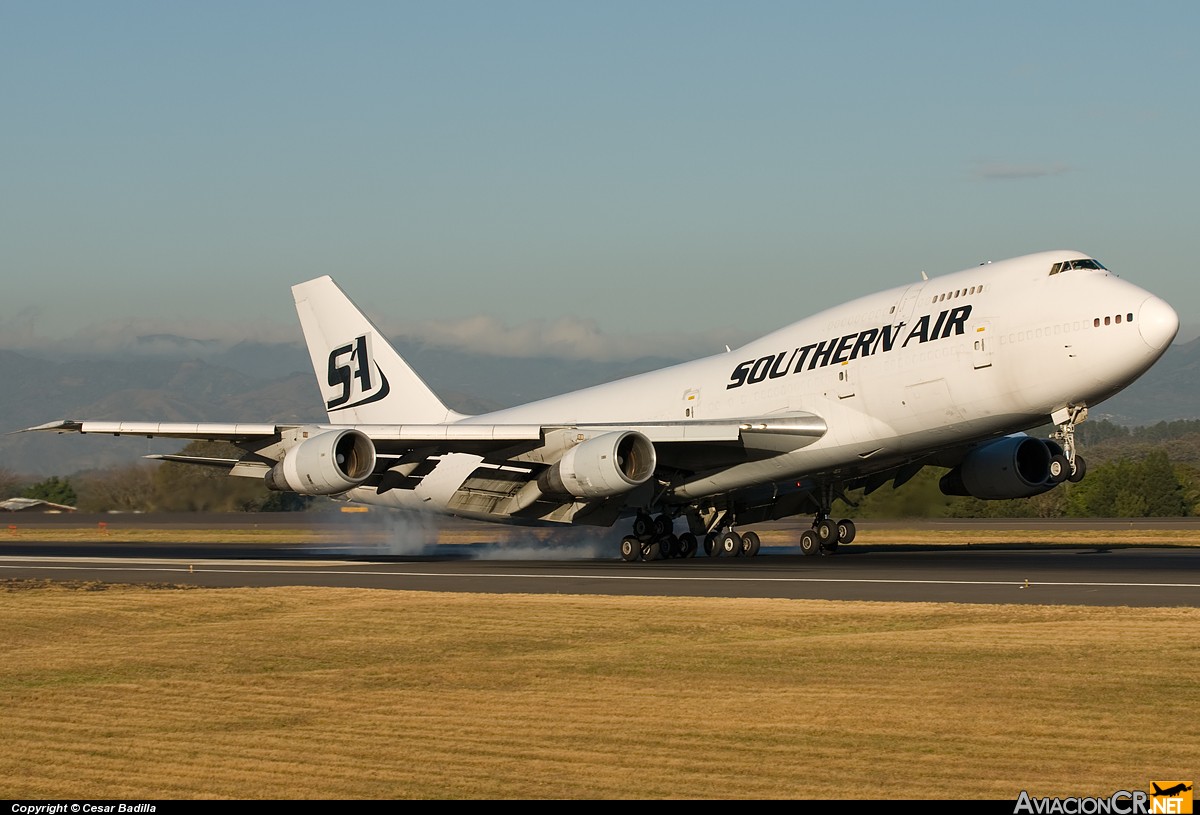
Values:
[(60, 426)]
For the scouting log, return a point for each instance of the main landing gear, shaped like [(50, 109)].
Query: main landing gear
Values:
[(826, 535), (654, 538), (732, 544)]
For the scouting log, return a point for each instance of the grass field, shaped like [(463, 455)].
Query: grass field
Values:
[(143, 692)]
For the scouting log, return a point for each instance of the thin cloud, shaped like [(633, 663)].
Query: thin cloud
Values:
[(571, 339), (1006, 171), (562, 339), (144, 337)]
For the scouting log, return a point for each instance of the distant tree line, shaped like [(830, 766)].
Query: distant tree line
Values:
[(161, 487), (54, 489), (1142, 473), (1132, 473)]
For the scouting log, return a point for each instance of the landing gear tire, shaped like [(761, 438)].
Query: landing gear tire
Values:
[(631, 549), (846, 530), (731, 544), (643, 527), (809, 544), (826, 531), (687, 545), (710, 545), (1078, 471), (1060, 469), (651, 551), (750, 544), (670, 546), (663, 526)]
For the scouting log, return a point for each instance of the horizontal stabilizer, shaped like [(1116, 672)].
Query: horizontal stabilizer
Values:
[(246, 469), (207, 461)]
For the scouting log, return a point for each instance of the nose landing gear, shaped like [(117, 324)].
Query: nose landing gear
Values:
[(1066, 419)]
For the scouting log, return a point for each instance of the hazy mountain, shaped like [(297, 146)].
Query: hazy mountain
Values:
[(249, 382), (178, 379), (1168, 391)]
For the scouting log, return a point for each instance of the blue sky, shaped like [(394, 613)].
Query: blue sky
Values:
[(648, 175)]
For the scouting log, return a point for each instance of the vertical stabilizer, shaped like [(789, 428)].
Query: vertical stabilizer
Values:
[(362, 378)]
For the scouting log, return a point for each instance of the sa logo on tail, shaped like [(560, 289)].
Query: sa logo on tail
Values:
[(350, 364)]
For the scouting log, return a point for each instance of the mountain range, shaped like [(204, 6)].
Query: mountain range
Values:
[(183, 381), (194, 381)]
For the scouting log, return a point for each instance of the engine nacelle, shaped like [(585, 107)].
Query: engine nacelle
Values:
[(327, 463), (1015, 466), (601, 467)]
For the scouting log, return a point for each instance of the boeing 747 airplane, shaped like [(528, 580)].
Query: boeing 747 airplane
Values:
[(945, 372)]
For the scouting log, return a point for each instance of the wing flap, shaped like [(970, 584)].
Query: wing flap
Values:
[(435, 433)]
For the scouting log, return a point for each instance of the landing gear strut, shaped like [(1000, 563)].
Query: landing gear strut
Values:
[(1066, 419)]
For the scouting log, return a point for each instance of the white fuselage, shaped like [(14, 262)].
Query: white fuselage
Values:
[(990, 350)]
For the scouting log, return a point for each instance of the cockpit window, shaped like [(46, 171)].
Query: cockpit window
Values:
[(1071, 265)]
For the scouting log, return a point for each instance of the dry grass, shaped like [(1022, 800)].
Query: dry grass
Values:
[(128, 692), (149, 535)]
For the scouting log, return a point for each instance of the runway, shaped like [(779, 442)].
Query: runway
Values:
[(1104, 575)]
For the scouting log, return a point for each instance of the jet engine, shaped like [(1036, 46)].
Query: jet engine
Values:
[(601, 467), (327, 463), (1016, 466)]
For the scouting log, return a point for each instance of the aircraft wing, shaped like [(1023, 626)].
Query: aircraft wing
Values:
[(468, 435), (508, 459), (681, 445), (464, 437)]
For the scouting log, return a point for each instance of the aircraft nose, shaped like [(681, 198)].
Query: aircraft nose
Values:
[(1157, 322)]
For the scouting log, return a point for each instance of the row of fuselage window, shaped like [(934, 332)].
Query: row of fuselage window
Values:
[(1096, 323), (950, 295), (1112, 320), (1065, 327)]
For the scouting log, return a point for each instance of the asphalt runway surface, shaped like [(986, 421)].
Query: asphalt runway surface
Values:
[(1102, 575)]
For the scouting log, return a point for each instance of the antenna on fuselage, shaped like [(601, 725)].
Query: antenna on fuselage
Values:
[(923, 275)]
